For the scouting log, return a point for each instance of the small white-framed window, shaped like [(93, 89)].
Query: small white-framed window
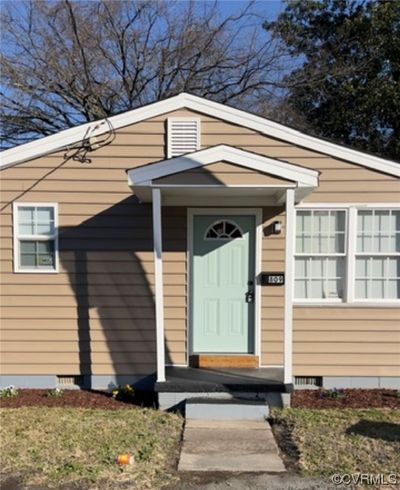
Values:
[(35, 237), (320, 253), (377, 255), (223, 230), (183, 136)]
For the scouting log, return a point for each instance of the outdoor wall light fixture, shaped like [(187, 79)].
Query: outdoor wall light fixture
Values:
[(276, 227)]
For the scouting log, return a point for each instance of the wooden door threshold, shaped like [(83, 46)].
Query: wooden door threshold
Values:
[(224, 361)]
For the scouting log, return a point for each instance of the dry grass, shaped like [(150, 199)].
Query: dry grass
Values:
[(52, 446), (343, 441)]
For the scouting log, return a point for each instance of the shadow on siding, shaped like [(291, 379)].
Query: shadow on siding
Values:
[(109, 260)]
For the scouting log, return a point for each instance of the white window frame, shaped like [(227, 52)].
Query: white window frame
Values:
[(323, 255), (17, 237), (170, 120), (369, 254), (349, 298)]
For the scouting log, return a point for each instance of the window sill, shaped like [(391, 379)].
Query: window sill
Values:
[(31, 271), (358, 304)]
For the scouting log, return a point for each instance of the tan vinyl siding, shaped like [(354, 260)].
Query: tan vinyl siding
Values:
[(363, 340), (106, 282), (105, 286), (221, 173), (272, 297)]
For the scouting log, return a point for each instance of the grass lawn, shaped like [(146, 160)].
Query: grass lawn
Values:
[(77, 447), (340, 441), (51, 446)]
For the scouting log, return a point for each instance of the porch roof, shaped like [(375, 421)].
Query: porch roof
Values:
[(152, 176)]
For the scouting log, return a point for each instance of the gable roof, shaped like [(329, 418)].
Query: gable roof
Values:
[(69, 137), (303, 180), (303, 177)]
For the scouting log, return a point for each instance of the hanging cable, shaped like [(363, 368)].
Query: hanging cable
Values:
[(90, 142)]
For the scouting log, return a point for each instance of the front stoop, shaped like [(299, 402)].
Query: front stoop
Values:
[(185, 383), (231, 446), (226, 409)]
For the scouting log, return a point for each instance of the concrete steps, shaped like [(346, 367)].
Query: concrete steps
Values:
[(202, 408), (229, 446)]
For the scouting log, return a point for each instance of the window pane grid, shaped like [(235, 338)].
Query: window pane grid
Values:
[(223, 230), (320, 277), (377, 277), (32, 221), (378, 255), (378, 231), (372, 256), (37, 254), (320, 232), (36, 237), (320, 253)]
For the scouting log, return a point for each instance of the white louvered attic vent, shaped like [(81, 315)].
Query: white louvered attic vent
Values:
[(183, 136)]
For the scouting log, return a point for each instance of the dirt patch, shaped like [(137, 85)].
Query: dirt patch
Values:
[(347, 398), (74, 399), (288, 449)]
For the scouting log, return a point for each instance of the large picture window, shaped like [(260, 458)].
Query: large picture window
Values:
[(346, 255), (35, 237)]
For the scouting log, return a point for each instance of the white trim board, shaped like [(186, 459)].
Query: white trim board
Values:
[(159, 287), (290, 238), (17, 268), (257, 213), (71, 136), (345, 205)]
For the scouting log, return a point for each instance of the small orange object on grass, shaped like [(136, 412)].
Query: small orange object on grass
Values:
[(124, 459)]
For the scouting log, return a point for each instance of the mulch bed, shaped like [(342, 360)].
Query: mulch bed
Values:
[(347, 398), (70, 398)]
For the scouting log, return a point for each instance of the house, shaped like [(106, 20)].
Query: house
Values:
[(187, 239)]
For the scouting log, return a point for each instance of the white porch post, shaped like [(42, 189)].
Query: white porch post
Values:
[(289, 286), (159, 289)]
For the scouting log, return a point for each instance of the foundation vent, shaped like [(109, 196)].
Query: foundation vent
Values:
[(308, 380), (70, 380)]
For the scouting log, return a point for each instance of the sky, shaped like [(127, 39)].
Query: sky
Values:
[(270, 9)]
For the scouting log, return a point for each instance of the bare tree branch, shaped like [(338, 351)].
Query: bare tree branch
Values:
[(68, 62)]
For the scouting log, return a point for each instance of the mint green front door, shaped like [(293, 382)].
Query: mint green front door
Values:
[(223, 284)]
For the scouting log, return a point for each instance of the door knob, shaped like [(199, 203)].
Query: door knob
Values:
[(250, 296)]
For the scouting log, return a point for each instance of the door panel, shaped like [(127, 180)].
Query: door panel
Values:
[(222, 270)]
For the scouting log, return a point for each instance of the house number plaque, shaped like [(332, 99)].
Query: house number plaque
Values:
[(272, 278)]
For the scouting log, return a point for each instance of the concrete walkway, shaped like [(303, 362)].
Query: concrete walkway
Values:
[(234, 445)]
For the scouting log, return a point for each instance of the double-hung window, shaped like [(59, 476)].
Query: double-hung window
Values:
[(35, 237), (377, 256), (320, 254), (347, 255)]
